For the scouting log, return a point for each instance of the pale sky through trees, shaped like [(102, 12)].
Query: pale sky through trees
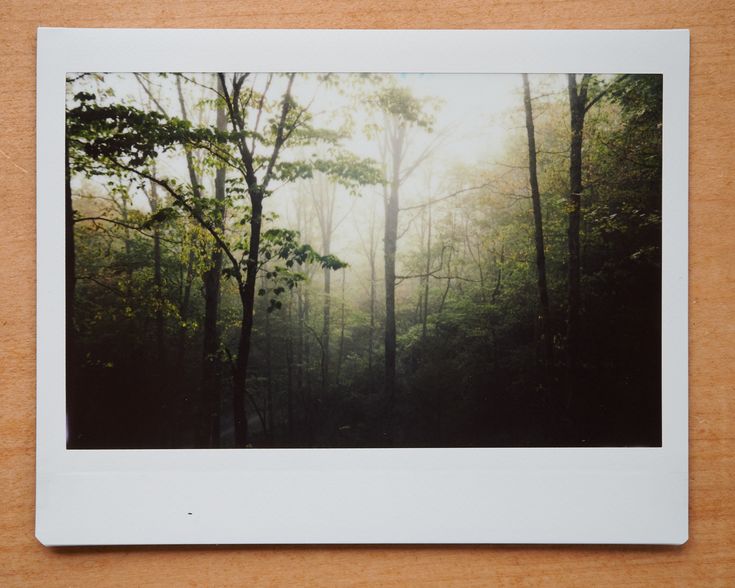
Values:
[(475, 116)]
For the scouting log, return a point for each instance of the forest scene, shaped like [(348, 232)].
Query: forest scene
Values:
[(335, 260)]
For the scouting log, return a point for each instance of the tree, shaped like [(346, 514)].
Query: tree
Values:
[(351, 171), (370, 250), (208, 419), (71, 280), (543, 291), (579, 105), (212, 277), (324, 197), (127, 140), (578, 108), (401, 112)]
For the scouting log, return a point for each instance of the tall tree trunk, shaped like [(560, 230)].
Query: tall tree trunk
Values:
[(303, 359), (239, 392), (390, 296), (449, 266), (371, 253), (270, 417), (247, 298), (307, 368), (425, 305), (186, 280), (323, 193), (72, 367), (389, 252), (499, 274), (193, 177), (164, 389), (371, 336), (326, 245), (543, 292), (289, 370), (341, 353), (256, 191), (300, 344), (577, 107), (127, 244), (178, 408), (158, 280), (210, 433)]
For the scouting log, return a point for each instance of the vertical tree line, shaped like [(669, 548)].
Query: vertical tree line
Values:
[(545, 339)]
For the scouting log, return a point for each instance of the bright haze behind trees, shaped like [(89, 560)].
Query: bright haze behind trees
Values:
[(400, 258)]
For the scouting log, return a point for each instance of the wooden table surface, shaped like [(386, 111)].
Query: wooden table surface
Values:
[(709, 557)]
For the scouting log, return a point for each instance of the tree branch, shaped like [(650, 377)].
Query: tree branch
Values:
[(196, 214), (139, 229), (147, 90), (261, 102), (233, 108), (609, 87), (446, 197), (280, 139)]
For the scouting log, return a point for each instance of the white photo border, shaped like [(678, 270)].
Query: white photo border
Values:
[(458, 495)]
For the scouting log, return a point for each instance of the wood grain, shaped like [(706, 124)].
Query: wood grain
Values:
[(709, 557)]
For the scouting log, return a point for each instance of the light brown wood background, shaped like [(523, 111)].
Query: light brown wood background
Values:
[(709, 557)]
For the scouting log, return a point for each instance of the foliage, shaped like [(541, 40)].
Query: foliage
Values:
[(148, 220)]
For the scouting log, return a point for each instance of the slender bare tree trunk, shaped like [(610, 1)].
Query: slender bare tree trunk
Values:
[(270, 419), (164, 387), (373, 292), (499, 275), (155, 205), (303, 373), (323, 196), (208, 433), (300, 343), (307, 368), (389, 251), (543, 292), (72, 366), (577, 107), (211, 385), (340, 355), (186, 280), (326, 324), (289, 370), (449, 265), (71, 278), (425, 305)]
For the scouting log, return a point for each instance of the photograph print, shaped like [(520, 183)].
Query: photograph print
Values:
[(363, 260)]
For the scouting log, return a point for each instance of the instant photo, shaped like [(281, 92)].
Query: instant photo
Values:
[(361, 287)]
